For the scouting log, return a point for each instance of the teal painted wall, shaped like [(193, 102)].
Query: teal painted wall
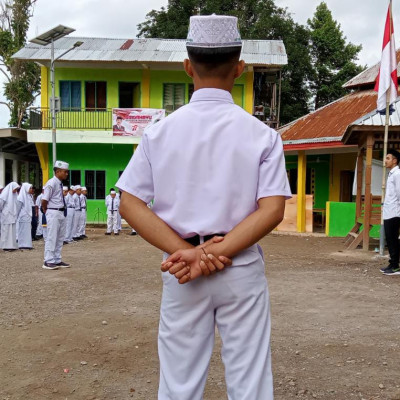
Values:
[(341, 219), (98, 157)]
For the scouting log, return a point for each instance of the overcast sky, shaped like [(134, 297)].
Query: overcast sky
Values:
[(361, 21)]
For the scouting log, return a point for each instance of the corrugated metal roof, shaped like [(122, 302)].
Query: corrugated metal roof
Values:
[(332, 120), (254, 52), (368, 77), (376, 119)]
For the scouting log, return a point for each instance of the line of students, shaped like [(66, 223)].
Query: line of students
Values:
[(16, 211), (76, 203)]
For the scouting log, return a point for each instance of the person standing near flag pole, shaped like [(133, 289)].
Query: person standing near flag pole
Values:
[(387, 88)]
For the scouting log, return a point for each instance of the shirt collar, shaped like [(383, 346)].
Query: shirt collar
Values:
[(393, 169), (211, 94), (58, 181)]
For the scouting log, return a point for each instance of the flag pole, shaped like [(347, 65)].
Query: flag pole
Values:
[(385, 144)]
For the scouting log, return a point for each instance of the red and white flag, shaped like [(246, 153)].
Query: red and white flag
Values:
[(386, 82)]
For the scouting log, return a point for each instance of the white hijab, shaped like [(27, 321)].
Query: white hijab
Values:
[(26, 199), (9, 198)]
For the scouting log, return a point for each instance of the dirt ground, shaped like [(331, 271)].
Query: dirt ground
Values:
[(90, 332)]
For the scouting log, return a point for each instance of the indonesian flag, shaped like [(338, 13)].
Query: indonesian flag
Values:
[(386, 81)]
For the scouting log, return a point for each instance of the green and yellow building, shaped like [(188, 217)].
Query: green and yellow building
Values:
[(102, 74)]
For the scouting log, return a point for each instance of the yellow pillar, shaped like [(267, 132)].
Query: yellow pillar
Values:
[(249, 91), (44, 97), (146, 88), (301, 191), (43, 153)]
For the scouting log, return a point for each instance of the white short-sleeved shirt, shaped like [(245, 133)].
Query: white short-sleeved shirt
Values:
[(53, 193), (391, 206), (206, 165)]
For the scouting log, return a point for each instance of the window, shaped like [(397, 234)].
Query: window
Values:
[(190, 90), (173, 96), (70, 95), (95, 182), (74, 178), (96, 96), (310, 180)]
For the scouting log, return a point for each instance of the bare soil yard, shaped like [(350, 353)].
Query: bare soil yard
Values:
[(90, 332)]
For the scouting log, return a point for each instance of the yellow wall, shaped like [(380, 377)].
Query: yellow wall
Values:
[(249, 95), (44, 97), (339, 162)]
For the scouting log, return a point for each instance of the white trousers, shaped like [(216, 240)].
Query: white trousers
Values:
[(25, 235), (119, 221), (235, 300), (112, 222), (82, 223), (75, 225), (70, 224), (56, 226), (8, 238), (39, 229)]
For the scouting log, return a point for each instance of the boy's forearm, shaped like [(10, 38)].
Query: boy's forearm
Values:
[(149, 226), (252, 228)]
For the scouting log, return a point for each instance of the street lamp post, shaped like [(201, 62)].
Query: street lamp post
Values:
[(47, 38)]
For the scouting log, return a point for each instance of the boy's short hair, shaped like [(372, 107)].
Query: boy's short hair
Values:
[(216, 61)]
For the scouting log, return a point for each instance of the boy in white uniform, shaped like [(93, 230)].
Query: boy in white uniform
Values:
[(112, 204), (54, 207), (70, 203), (78, 213), (211, 169), (82, 226)]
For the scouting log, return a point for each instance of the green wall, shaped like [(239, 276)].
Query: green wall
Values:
[(111, 76), (114, 76), (341, 219), (100, 157), (320, 164)]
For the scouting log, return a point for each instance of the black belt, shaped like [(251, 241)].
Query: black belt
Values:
[(195, 240), (77, 210), (72, 207), (83, 208), (57, 209)]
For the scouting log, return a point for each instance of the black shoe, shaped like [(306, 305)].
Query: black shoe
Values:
[(108, 233), (116, 234), (38, 237), (392, 271), (384, 269), (84, 237), (65, 242), (49, 266), (133, 233), (63, 265), (77, 238)]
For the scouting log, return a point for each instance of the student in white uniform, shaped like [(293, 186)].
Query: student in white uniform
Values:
[(70, 203), (211, 169), (1, 189), (82, 227), (119, 218), (112, 204), (9, 215), (55, 210), (78, 213), (25, 204)]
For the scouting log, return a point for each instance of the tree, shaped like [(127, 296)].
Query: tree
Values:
[(258, 19), (333, 59), (23, 78)]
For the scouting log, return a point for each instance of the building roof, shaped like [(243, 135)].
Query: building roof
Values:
[(368, 77), (373, 121), (329, 123), (146, 51)]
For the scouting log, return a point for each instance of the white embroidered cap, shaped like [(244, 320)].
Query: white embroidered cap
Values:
[(72, 187), (76, 187), (61, 165), (84, 188), (65, 187), (213, 31), (113, 192)]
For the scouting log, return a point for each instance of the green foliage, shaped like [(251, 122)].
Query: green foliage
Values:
[(23, 78), (333, 59)]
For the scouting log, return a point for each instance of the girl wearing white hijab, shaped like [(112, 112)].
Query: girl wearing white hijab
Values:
[(9, 214), (25, 204)]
